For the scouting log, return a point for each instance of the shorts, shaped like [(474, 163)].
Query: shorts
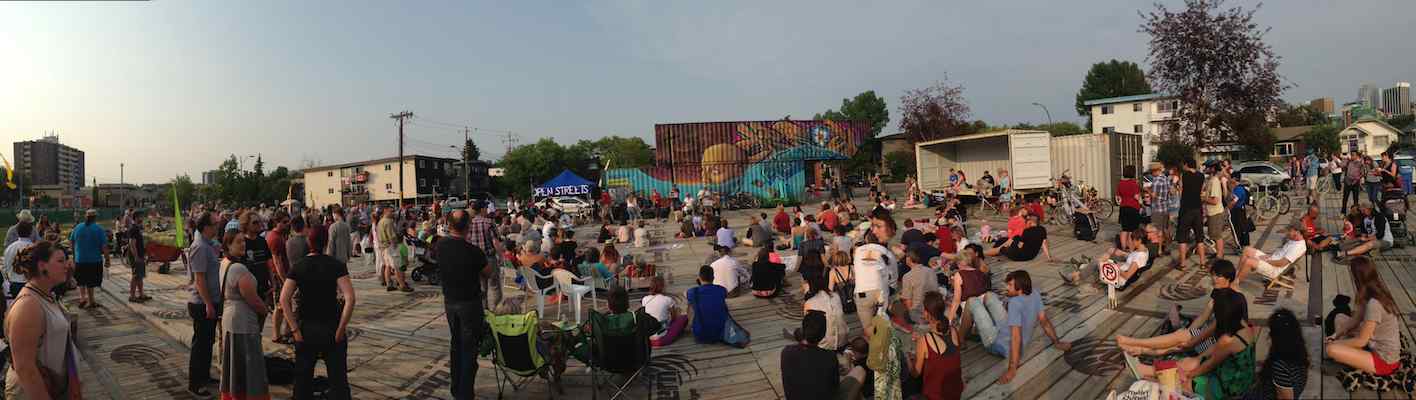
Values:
[(1015, 252), (1384, 368), (1189, 227), (89, 275), (1130, 219), (1312, 182), (1264, 268), (1215, 224), (1161, 222), (139, 266)]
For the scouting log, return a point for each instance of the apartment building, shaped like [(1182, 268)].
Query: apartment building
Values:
[(1148, 115), (46, 162), (425, 178)]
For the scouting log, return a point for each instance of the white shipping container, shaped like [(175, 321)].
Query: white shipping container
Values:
[(1033, 158)]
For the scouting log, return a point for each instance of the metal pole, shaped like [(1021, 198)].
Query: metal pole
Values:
[(401, 117), (1044, 110)]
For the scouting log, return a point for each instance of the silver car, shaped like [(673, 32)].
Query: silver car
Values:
[(1262, 173)]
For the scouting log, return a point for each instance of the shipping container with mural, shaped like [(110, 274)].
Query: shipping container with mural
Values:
[(767, 159)]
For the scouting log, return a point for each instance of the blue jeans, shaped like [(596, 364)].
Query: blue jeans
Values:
[(989, 317), (465, 319), (1374, 193)]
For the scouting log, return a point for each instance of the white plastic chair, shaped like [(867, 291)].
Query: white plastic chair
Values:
[(567, 283), (529, 277)]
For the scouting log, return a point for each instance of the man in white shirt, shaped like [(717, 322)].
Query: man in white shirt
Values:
[(727, 271), (1134, 251), (1271, 265)]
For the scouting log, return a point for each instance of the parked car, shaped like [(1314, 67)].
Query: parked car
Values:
[(453, 203), (570, 205), (1262, 173)]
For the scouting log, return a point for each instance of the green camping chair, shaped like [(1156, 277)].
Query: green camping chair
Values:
[(515, 353), (619, 344)]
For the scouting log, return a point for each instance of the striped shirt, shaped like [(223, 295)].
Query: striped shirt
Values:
[(1163, 201), (481, 233), (1285, 375)]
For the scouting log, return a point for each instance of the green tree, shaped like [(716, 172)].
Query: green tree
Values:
[(618, 152), (470, 151), (900, 164), (1063, 128), (1111, 79), (185, 192), (863, 107), (1173, 153), (531, 164), (1300, 115), (1322, 139), (1401, 122)]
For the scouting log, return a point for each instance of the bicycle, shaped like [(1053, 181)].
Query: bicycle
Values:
[(1268, 205), (1101, 208)]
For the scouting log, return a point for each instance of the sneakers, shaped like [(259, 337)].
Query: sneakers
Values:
[(1066, 276), (391, 288), (199, 392)]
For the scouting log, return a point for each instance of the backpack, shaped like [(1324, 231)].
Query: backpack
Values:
[(846, 291), (1082, 227)]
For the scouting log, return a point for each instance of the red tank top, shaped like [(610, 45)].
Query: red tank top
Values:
[(975, 283), (943, 374)]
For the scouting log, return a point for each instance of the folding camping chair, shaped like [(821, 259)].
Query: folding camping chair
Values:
[(515, 352), (618, 346), (1288, 276)]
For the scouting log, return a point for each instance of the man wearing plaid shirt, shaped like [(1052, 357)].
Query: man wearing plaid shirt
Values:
[(1162, 202), (481, 232)]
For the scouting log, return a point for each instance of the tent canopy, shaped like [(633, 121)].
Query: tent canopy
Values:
[(565, 184)]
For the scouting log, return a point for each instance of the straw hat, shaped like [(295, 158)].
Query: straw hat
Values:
[(25, 216)]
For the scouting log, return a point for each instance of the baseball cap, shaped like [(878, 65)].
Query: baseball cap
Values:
[(91, 213)]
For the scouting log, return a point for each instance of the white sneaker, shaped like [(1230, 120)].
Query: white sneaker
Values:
[(1133, 364)]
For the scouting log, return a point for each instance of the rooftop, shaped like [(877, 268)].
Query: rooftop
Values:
[(375, 161), (1126, 99)]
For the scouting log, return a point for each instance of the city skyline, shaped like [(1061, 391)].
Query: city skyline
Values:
[(173, 88)]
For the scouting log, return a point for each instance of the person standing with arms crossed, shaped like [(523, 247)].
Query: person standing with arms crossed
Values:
[(482, 234), (1189, 227)]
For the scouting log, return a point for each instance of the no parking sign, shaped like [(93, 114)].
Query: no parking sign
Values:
[(1110, 273)]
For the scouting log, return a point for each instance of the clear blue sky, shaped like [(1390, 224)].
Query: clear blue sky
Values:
[(172, 87)]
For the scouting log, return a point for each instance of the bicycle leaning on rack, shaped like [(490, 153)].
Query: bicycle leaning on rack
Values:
[(1269, 201)]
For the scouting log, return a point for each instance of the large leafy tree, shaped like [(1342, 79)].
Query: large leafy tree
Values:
[(1300, 115), (934, 112), (1215, 59), (1322, 139), (1063, 128), (530, 164), (1111, 79), (863, 107), (616, 151)]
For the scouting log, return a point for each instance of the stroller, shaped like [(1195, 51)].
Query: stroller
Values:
[(1394, 207), (427, 259)]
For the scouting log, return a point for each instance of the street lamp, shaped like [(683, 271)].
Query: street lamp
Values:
[(1044, 110)]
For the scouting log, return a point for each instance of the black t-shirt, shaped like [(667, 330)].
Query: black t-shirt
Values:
[(564, 251), (1031, 242), (135, 236), (809, 372), (460, 264), (1191, 183), (925, 250), (812, 246), (258, 261), (317, 278), (911, 236), (767, 275)]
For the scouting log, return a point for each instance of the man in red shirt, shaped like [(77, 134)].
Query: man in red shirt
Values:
[(1316, 237), (827, 217), (279, 262), (782, 222)]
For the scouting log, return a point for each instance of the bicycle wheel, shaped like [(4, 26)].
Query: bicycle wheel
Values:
[(1267, 207), (1103, 209), (1284, 204)]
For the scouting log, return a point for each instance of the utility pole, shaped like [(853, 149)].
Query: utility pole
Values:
[(122, 200), (401, 118), (510, 140)]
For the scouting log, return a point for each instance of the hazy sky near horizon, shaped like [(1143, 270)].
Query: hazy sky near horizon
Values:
[(173, 87)]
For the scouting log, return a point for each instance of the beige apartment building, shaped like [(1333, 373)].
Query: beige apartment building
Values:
[(425, 179)]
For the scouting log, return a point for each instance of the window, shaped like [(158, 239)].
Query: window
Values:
[(1282, 149), (358, 169), (421, 164), (1109, 129), (388, 186), (1137, 129), (1167, 106), (1379, 142), (1352, 143), (422, 182), (1136, 107), (1255, 169), (331, 190), (388, 167), (1106, 110), (330, 173)]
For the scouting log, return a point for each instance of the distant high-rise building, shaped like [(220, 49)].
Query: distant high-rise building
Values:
[(1370, 96), (1322, 104), (209, 177), (47, 162), (1397, 100)]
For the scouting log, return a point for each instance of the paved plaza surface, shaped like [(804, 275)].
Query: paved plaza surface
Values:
[(399, 341)]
